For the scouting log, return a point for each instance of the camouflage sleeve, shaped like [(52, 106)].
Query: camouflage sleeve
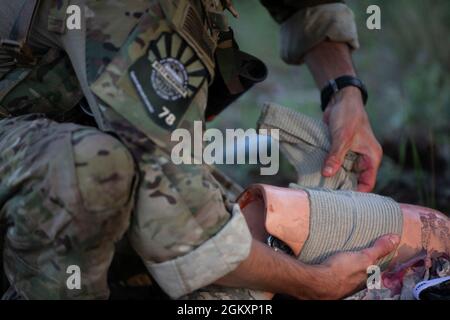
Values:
[(216, 257), (183, 228), (303, 27)]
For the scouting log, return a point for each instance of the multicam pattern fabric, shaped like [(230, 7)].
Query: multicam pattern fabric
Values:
[(127, 94), (57, 16), (108, 24), (220, 293), (179, 207), (51, 88), (66, 198)]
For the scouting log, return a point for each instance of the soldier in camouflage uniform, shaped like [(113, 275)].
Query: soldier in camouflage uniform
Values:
[(71, 187)]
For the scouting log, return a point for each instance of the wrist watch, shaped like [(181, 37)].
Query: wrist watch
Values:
[(337, 84)]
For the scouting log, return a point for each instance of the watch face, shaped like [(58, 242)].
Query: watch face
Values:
[(279, 245)]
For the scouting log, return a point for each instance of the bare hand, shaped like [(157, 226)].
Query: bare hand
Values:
[(344, 273), (351, 130)]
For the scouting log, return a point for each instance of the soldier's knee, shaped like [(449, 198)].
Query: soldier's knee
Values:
[(104, 169)]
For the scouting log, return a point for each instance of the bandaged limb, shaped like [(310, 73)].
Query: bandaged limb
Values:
[(317, 223), (305, 142)]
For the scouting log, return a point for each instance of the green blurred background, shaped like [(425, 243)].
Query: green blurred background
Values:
[(405, 66)]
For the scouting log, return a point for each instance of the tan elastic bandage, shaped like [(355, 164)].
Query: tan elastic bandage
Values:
[(348, 221), (305, 143)]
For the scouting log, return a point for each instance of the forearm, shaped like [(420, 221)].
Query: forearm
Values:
[(345, 115), (329, 60), (267, 270)]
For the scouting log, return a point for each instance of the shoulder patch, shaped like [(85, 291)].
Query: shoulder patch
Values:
[(166, 78)]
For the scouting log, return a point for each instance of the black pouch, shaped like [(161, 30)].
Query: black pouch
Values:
[(236, 73)]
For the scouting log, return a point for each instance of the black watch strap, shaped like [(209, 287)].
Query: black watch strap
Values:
[(337, 84)]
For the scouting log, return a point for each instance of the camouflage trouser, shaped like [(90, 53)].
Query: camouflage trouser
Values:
[(214, 292), (66, 194)]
